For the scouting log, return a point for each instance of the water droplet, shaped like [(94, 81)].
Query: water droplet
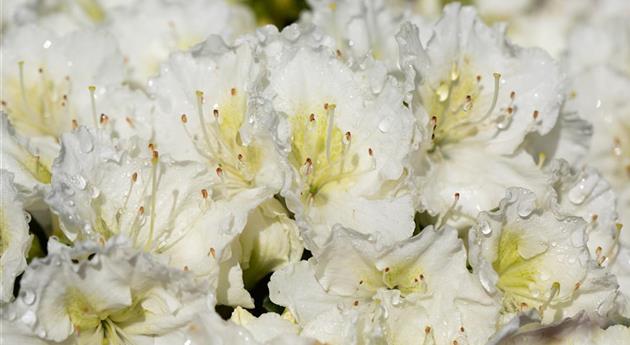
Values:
[(578, 194), (85, 141), (28, 296), (27, 217), (29, 318), (79, 181), (525, 208), (11, 315), (42, 333), (66, 189), (70, 203), (47, 44), (485, 228), (544, 276), (95, 192), (385, 125), (188, 342), (535, 293)]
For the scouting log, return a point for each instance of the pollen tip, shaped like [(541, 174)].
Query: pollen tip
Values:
[(496, 75), (619, 226), (92, 88)]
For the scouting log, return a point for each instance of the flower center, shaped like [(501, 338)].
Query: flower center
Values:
[(321, 153), (85, 317), (519, 276), (407, 279), (219, 141), (41, 108), (459, 107)]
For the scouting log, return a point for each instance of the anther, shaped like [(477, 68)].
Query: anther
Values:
[(370, 152), (577, 286), (355, 303), (154, 158), (311, 117), (141, 210), (325, 106), (594, 218), (212, 252), (239, 157), (75, 124), (456, 196), (186, 269), (427, 329), (219, 171), (134, 177), (92, 90), (512, 95), (348, 136), (215, 112), (204, 193), (129, 121), (104, 119), (535, 114), (386, 269), (233, 91), (461, 329), (184, 118)]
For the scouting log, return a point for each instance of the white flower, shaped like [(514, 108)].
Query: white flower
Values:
[(357, 291), (148, 30), (102, 188), (586, 194), (93, 294), (346, 137), (579, 330), (52, 84), (363, 29), (15, 239), (601, 96), (477, 98), (530, 257)]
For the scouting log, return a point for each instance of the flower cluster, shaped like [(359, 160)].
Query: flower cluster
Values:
[(376, 173)]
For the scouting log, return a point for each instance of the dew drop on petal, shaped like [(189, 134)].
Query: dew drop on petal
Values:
[(28, 296), (29, 318)]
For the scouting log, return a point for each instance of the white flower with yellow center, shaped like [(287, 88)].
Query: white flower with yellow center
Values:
[(103, 294), (15, 240), (101, 188), (53, 84), (357, 291), (530, 257), (148, 30), (585, 193), (345, 138), (477, 97), (208, 111), (362, 29)]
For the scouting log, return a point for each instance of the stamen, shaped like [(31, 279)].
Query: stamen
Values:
[(154, 168), (447, 214), (555, 290), (23, 88), (202, 121), (495, 95), (331, 123), (92, 89)]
